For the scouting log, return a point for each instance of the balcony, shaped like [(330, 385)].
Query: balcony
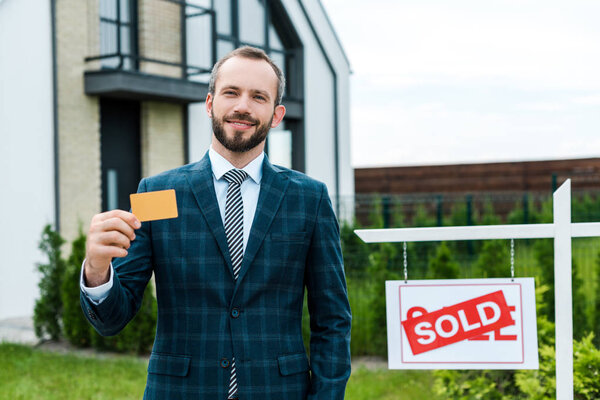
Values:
[(139, 49)]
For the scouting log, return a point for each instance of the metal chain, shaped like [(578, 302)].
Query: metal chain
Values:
[(405, 265), (512, 260)]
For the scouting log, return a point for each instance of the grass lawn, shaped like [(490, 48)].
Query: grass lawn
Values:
[(382, 384), (26, 373)]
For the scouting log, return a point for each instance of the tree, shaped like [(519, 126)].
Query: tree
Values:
[(76, 328), (443, 266), (493, 260), (47, 313)]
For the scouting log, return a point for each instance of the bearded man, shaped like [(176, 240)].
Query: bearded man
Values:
[(232, 269)]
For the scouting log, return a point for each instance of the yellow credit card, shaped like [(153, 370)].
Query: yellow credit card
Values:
[(152, 206)]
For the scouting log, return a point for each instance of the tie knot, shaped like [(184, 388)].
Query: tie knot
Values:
[(235, 176)]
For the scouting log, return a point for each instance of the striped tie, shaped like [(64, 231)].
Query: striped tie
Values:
[(234, 229)]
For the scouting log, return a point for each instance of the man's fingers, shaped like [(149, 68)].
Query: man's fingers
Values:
[(117, 224), (128, 217), (114, 238), (110, 252)]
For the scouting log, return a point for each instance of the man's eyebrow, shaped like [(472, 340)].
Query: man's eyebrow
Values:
[(254, 91), (230, 87)]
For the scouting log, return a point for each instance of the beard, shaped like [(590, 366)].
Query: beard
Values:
[(237, 143)]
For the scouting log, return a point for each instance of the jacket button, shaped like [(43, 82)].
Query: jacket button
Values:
[(235, 313), (91, 314), (224, 363)]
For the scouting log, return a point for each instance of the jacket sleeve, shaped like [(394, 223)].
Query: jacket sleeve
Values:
[(131, 275), (330, 316)]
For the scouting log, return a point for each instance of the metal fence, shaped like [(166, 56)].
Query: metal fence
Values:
[(369, 265)]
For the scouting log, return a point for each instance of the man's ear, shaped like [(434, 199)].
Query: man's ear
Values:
[(209, 104), (278, 116)]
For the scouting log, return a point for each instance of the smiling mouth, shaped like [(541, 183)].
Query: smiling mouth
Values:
[(240, 124)]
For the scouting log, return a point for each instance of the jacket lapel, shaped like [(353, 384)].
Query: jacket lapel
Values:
[(272, 189), (200, 178)]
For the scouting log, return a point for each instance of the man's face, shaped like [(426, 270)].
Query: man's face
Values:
[(242, 108)]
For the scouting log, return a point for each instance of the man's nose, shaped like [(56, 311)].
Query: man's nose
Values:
[(242, 106)]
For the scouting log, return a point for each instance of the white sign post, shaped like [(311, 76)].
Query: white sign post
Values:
[(562, 230)]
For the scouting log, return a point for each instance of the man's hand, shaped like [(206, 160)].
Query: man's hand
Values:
[(110, 236)]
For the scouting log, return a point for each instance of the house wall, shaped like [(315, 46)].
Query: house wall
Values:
[(27, 150)]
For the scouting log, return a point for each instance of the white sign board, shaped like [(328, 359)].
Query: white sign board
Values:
[(462, 324)]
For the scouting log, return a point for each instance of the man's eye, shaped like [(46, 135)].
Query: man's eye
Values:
[(230, 92), (259, 97)]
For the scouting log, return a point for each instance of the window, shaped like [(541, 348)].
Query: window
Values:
[(279, 146), (265, 24), (198, 37), (117, 33)]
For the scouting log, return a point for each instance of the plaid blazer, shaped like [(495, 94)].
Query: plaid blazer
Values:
[(205, 317)]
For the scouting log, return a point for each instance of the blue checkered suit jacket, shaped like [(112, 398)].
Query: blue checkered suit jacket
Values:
[(205, 317)]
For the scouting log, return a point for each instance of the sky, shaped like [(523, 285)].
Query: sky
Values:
[(465, 81)]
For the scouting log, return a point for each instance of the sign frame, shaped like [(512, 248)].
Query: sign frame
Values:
[(524, 351)]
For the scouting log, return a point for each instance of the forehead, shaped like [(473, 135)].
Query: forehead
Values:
[(248, 74)]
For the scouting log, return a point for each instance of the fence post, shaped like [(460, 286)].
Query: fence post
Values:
[(440, 211), (526, 208), (385, 209), (470, 220)]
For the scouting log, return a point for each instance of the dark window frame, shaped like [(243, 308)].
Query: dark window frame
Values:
[(276, 15), (135, 57)]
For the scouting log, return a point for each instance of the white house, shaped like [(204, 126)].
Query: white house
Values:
[(96, 94)]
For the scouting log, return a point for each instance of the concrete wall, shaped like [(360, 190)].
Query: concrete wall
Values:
[(160, 36), (318, 95), (79, 119), (26, 152), (162, 137)]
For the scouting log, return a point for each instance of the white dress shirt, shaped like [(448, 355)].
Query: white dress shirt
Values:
[(250, 189)]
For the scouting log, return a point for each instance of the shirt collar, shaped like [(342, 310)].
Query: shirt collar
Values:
[(220, 165)]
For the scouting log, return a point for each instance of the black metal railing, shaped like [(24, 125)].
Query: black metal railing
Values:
[(119, 40)]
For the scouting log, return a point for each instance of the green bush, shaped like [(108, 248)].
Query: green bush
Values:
[(138, 335), (541, 384), (443, 266), (75, 327), (47, 313), (378, 273), (493, 260), (59, 310), (596, 315)]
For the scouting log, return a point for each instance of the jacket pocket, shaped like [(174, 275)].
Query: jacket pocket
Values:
[(165, 364), (290, 364)]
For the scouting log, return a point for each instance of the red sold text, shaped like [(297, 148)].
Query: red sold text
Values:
[(467, 320)]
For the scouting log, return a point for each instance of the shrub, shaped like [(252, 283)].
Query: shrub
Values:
[(59, 305), (138, 335), (48, 308), (443, 266), (596, 315), (493, 260), (541, 384), (378, 273), (75, 327)]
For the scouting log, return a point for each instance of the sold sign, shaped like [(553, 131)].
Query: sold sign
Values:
[(462, 324), (455, 323)]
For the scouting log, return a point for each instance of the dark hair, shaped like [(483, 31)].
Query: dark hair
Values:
[(254, 54)]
